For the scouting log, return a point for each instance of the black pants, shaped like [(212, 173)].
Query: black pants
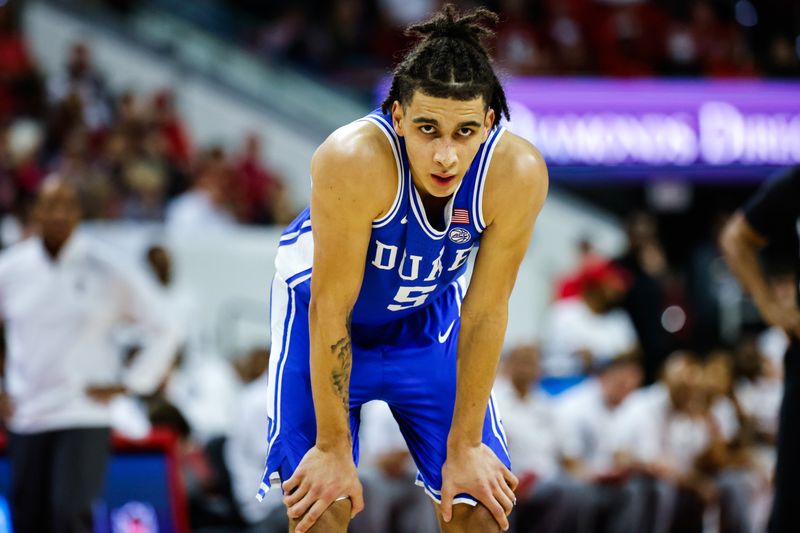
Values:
[(786, 509), (55, 476)]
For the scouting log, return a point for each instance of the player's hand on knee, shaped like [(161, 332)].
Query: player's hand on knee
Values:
[(320, 479), (477, 471)]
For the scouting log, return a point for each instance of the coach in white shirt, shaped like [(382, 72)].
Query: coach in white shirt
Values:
[(61, 296)]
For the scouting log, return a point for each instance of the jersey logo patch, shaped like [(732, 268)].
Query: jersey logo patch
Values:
[(460, 235)]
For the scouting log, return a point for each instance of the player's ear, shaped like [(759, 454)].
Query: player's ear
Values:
[(397, 117), (488, 122)]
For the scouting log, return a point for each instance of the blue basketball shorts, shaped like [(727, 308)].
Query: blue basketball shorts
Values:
[(409, 363)]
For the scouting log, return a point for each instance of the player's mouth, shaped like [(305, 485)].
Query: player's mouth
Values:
[(443, 179)]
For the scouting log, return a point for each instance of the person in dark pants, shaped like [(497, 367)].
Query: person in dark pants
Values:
[(773, 214), (61, 296)]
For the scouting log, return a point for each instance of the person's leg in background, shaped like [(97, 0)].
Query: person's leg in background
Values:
[(80, 457), (30, 456), (786, 511), (556, 505)]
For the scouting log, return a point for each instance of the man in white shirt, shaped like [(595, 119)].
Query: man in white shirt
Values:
[(587, 416), (588, 329), (61, 296), (545, 496), (244, 453), (675, 434), (202, 208)]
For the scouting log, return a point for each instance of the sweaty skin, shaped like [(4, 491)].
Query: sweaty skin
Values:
[(355, 182)]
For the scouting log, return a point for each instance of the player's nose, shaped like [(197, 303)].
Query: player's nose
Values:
[(445, 156)]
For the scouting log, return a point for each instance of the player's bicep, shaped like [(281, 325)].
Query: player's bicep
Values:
[(341, 220), (505, 240)]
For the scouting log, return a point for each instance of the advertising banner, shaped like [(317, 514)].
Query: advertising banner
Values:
[(658, 122)]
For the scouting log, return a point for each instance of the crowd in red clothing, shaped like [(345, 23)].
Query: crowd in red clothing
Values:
[(129, 154)]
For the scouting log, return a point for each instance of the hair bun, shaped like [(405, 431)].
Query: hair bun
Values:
[(449, 23)]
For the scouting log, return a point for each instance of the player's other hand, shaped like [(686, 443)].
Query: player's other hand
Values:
[(321, 478), (477, 471)]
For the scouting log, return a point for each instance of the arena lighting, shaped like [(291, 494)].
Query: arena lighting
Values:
[(665, 123)]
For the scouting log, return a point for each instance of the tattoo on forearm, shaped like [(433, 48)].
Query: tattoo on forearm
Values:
[(340, 376)]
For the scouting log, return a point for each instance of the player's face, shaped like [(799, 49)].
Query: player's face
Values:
[(442, 136)]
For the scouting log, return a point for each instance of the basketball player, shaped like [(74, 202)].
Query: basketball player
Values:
[(370, 303)]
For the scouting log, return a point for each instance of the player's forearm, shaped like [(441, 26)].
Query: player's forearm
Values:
[(331, 361), (479, 346), (741, 254)]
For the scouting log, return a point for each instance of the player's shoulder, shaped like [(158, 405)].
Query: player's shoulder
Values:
[(356, 151), (517, 176), (518, 161), (356, 166)]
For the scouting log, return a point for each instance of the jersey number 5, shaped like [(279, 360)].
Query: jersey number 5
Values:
[(408, 297)]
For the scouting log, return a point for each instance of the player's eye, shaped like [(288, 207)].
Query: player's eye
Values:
[(427, 129), (466, 132)]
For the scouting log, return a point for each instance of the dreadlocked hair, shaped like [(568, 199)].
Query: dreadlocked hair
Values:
[(450, 61)]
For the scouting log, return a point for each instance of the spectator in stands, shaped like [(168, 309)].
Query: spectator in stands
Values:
[(519, 46), (25, 172), (646, 298), (672, 432), (80, 79), (243, 453), (179, 301), (61, 295), (586, 416), (589, 329), (20, 85), (394, 502), (257, 184), (168, 124), (570, 284), (205, 207), (545, 496)]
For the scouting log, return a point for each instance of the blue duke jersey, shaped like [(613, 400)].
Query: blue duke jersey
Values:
[(406, 318), (409, 263)]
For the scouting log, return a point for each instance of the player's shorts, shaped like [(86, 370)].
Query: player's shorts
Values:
[(410, 364)]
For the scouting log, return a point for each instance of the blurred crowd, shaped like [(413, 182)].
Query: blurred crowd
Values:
[(130, 155), (650, 401), (355, 41)]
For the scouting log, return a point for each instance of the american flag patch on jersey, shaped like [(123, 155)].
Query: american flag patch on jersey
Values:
[(460, 216)]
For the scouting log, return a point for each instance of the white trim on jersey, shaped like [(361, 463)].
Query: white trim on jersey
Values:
[(483, 169), (296, 256), (282, 313), (394, 141), (292, 235), (497, 423), (436, 495), (419, 212)]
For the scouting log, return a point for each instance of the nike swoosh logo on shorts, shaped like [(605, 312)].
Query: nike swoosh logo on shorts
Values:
[(443, 336)]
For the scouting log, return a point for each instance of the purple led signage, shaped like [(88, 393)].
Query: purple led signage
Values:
[(602, 122)]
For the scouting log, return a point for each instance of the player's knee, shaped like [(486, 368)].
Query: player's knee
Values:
[(469, 519), (335, 519)]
